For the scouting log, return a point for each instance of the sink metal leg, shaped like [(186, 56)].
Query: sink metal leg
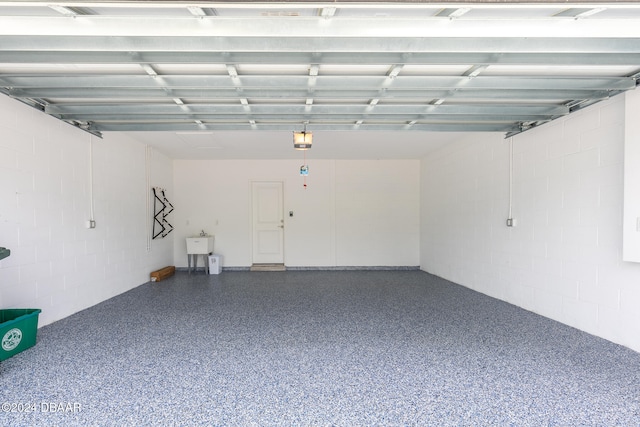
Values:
[(193, 258)]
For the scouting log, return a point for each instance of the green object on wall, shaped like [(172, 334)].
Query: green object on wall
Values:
[(4, 252)]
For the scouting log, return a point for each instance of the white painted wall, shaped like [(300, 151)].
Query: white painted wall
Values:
[(631, 221), (57, 264), (564, 258), (353, 212)]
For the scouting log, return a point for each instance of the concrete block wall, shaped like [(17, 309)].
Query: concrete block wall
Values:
[(56, 263), (631, 217), (563, 259)]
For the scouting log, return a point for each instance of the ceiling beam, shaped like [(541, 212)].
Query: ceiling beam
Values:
[(124, 94), (336, 44), (613, 57), (322, 82), (292, 120), (124, 110), (268, 4), (188, 127), (311, 26)]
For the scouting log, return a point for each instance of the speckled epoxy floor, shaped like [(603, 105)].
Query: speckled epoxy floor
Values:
[(316, 348)]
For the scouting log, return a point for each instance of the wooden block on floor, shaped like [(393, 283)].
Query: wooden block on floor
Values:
[(163, 273)]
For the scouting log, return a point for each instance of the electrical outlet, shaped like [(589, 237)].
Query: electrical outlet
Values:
[(91, 223), (511, 222)]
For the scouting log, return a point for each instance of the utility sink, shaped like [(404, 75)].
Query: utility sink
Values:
[(200, 245)]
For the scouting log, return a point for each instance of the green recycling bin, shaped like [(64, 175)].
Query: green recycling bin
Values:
[(18, 329)]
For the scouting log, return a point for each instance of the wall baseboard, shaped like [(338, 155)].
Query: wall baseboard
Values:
[(330, 268)]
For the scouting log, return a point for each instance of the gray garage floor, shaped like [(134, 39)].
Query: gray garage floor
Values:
[(384, 348)]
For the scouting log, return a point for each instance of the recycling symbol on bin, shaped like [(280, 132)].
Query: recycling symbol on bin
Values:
[(11, 339)]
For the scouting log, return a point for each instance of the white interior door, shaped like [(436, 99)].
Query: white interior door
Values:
[(268, 223)]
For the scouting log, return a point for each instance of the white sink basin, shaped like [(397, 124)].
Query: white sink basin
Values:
[(200, 245)]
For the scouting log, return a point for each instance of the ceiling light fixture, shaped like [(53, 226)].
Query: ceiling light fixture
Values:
[(302, 140)]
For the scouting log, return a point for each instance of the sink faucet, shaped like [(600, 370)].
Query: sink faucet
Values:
[(203, 234)]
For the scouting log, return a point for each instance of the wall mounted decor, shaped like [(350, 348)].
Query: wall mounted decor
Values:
[(161, 209)]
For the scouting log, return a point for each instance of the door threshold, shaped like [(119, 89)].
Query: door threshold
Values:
[(268, 267)]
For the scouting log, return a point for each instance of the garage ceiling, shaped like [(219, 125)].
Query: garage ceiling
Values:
[(176, 66)]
